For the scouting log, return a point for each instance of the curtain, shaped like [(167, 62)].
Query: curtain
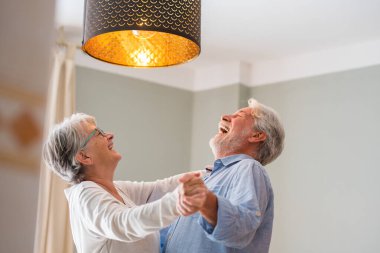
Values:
[(53, 234)]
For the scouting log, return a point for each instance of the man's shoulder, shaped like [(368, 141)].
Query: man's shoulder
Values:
[(248, 166), (249, 163)]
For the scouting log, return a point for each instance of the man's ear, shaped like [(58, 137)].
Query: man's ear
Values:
[(83, 158), (258, 137)]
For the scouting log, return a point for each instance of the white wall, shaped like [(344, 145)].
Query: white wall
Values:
[(26, 33), (18, 195)]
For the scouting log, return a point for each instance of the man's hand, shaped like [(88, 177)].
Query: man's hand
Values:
[(192, 193)]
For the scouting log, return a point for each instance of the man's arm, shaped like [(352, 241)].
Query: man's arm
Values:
[(239, 213), (195, 196), (209, 211)]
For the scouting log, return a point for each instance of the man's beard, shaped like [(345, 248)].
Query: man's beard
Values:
[(229, 145), (213, 146)]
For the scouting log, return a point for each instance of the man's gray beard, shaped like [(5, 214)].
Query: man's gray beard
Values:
[(224, 146), (212, 146)]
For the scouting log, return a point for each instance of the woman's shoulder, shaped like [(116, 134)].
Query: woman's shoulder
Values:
[(83, 188), (83, 185)]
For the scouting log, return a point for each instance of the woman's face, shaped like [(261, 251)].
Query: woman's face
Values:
[(99, 148)]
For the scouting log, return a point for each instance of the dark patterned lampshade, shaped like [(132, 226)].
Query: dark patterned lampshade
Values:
[(142, 33)]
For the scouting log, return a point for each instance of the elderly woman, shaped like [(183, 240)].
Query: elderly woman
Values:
[(107, 215)]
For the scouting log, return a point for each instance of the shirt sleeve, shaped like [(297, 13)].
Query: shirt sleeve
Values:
[(107, 217), (145, 192), (241, 210)]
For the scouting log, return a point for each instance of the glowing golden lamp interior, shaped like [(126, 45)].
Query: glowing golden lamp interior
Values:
[(139, 48), (143, 34), (142, 57)]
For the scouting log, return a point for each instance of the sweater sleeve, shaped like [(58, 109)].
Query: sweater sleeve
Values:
[(145, 192), (107, 217)]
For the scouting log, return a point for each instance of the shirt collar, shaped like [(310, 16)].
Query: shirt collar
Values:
[(228, 160)]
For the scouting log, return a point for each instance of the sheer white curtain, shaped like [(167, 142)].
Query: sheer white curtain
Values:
[(53, 234)]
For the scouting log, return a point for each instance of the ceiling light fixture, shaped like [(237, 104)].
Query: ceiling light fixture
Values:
[(142, 33)]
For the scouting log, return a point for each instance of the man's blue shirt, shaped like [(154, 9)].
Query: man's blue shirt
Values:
[(245, 212)]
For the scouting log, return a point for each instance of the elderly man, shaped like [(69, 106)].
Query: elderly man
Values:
[(110, 216), (238, 213)]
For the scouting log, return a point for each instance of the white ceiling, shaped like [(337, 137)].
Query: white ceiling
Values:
[(250, 41)]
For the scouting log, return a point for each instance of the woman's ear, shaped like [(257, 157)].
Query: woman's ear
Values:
[(257, 137), (83, 158)]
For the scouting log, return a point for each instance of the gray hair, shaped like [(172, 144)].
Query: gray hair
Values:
[(63, 143), (267, 120)]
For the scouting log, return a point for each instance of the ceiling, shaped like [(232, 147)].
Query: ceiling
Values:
[(250, 41)]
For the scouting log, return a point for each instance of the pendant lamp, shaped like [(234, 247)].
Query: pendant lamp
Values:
[(142, 33)]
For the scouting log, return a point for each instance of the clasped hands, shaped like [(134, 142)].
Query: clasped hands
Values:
[(192, 193)]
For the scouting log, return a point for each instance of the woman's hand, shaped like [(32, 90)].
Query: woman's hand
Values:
[(192, 193)]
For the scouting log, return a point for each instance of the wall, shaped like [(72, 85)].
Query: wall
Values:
[(151, 123), (26, 32), (208, 107), (326, 181)]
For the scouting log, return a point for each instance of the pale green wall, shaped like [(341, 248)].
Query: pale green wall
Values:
[(208, 107), (326, 181), (152, 123)]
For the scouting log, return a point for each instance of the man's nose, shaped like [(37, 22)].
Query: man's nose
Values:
[(226, 117)]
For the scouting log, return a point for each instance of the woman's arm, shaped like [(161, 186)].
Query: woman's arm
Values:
[(145, 192)]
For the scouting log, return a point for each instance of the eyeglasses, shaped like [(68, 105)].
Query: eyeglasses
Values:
[(96, 130)]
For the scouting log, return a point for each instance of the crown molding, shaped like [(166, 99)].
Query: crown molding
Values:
[(175, 76), (250, 73), (315, 63)]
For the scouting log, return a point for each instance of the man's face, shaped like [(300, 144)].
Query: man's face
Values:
[(234, 131), (100, 147)]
